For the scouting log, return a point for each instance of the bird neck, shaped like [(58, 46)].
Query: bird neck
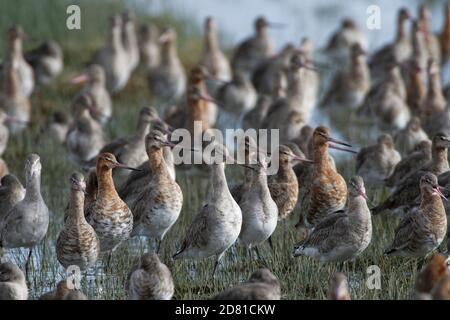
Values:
[(431, 200), (261, 33), (156, 162), (286, 172), (439, 160), (259, 181), (445, 36), (401, 30), (358, 205), (16, 49), (296, 85), (417, 85), (168, 53), (320, 157), (218, 182), (33, 187), (76, 206), (11, 84), (130, 36), (196, 112), (434, 86), (106, 186), (359, 68), (115, 39), (142, 129), (211, 42)]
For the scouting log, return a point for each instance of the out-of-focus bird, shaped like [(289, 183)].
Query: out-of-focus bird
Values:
[(63, 292), (420, 156), (213, 59), (12, 101), (409, 137), (429, 276), (14, 58), (95, 88), (251, 52), (341, 41), (376, 162), (113, 57), (150, 279), (149, 50), (46, 61), (85, 138), (12, 282), (349, 88), (262, 285), (397, 51), (129, 39), (338, 289), (167, 81)]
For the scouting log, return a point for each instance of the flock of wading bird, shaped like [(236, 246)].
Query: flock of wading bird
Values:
[(131, 187)]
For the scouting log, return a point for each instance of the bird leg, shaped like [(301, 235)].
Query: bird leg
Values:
[(219, 257), (27, 263), (271, 244)]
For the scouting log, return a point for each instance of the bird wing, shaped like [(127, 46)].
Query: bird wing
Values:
[(404, 231), (135, 181), (325, 227), (195, 236)]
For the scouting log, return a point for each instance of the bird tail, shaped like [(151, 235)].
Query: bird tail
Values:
[(298, 250), (177, 255)]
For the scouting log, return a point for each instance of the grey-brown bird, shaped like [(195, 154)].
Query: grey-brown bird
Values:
[(376, 162), (11, 192), (157, 204), (410, 164), (149, 279), (424, 227), (109, 215), (409, 137), (344, 234), (254, 50), (47, 61), (429, 276), (77, 243), (12, 282), (338, 289), (149, 50), (63, 291), (408, 190), (262, 285)]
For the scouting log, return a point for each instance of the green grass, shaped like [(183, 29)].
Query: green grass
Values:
[(301, 278)]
